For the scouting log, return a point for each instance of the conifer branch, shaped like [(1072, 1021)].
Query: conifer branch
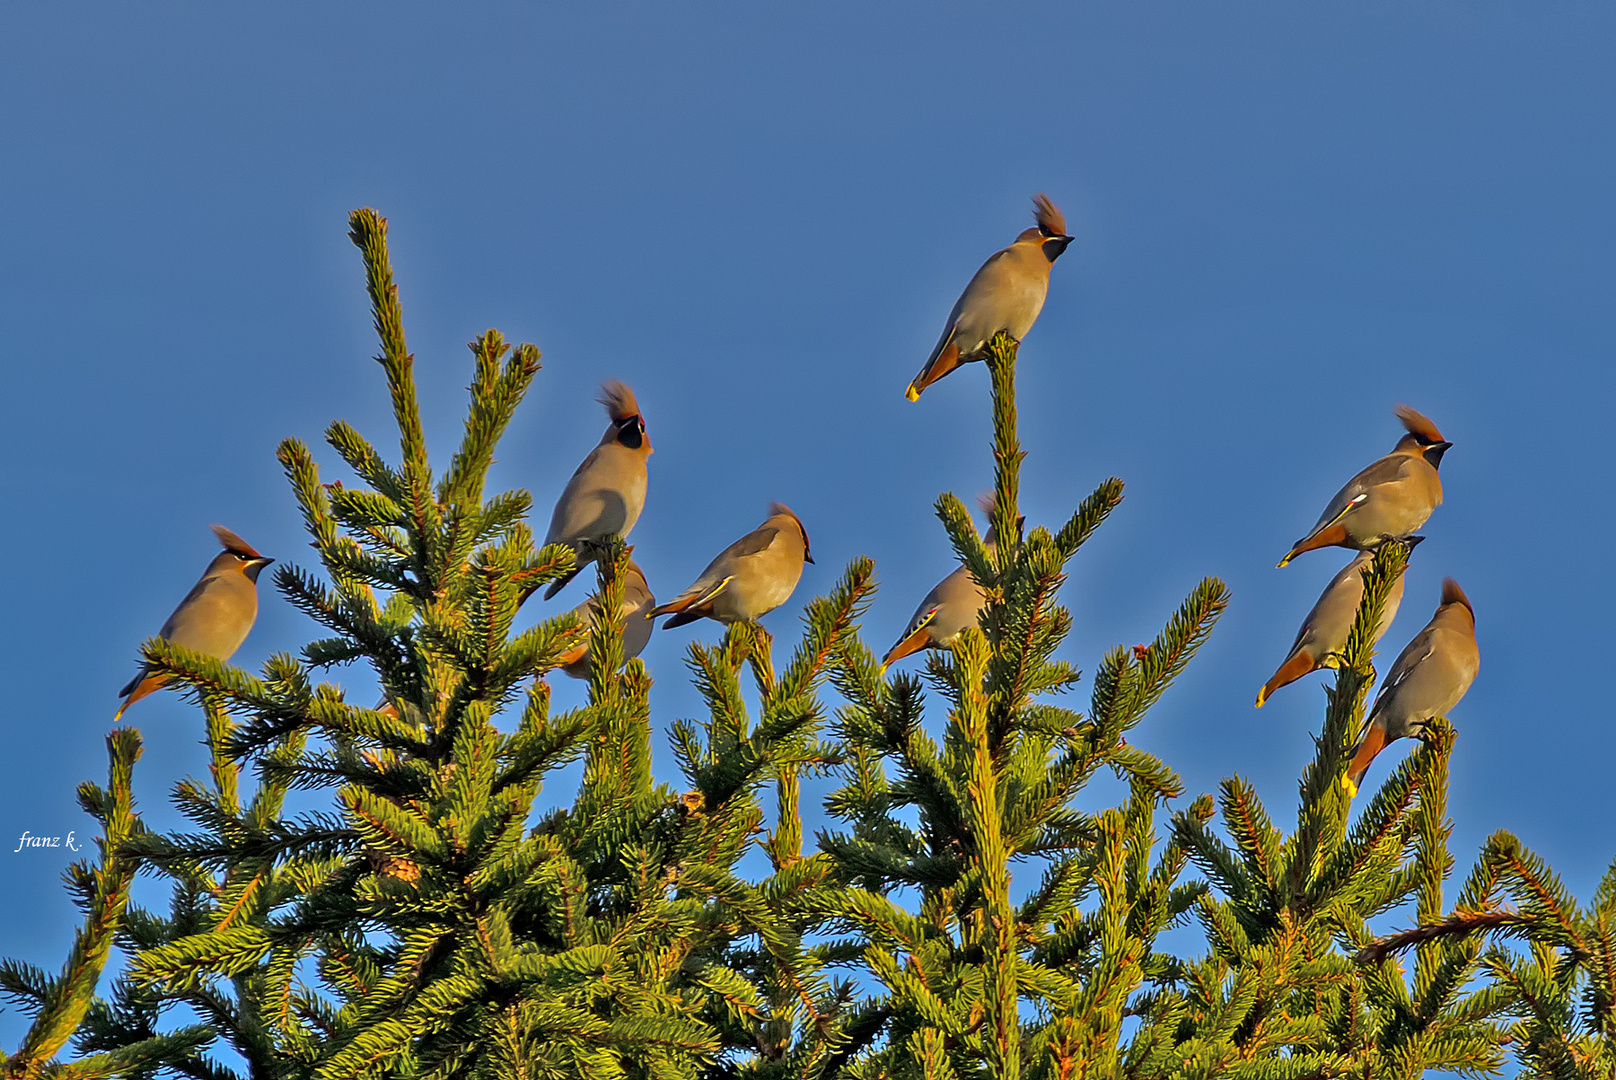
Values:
[(60, 1004)]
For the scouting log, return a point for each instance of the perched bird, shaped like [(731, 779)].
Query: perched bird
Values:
[(1006, 294), (1324, 632), (1389, 499), (637, 600), (1428, 679), (752, 577), (953, 604), (607, 492), (215, 615)]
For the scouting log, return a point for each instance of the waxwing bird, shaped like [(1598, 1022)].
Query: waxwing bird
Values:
[(954, 604), (1428, 679), (637, 602), (1389, 499), (1323, 636), (605, 496), (752, 577), (215, 615), (1006, 294)]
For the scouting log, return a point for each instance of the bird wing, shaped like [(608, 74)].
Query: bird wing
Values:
[(177, 617), (603, 496), (1386, 470), (968, 313), (215, 616), (1412, 656), (720, 572), (566, 519), (712, 592), (753, 542), (1389, 469), (942, 342)]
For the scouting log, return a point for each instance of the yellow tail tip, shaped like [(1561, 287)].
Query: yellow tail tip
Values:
[(883, 672), (912, 394), (119, 714), (1262, 696), (1349, 787), (1285, 560)]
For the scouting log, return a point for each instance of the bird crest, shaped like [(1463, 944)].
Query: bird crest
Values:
[(985, 501), (1452, 594), (1051, 222), (233, 543), (618, 399), (777, 508), (1418, 424)]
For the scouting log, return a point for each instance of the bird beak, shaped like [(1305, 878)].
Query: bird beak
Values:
[(807, 558)]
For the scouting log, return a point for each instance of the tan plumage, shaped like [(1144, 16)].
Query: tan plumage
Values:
[(215, 616), (953, 605), (1324, 632), (752, 577), (1428, 679), (607, 492), (1006, 294), (1389, 499), (637, 603)]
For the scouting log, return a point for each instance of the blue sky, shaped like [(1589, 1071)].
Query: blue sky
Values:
[(1288, 219)]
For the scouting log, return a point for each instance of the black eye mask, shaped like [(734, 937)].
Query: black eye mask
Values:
[(631, 433)]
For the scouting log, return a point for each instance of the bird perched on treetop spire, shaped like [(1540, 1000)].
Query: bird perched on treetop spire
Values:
[(1323, 636), (954, 604), (1428, 679), (607, 492), (1389, 499), (215, 616), (1006, 295)]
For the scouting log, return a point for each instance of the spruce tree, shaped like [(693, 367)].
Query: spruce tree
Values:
[(447, 932), (430, 924), (976, 981)]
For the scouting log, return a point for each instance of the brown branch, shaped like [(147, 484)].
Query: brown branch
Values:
[(1459, 923)]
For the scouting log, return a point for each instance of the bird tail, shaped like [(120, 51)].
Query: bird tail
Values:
[(1328, 536), (1374, 741), (945, 358), (690, 605), (908, 646), (679, 608), (140, 686), (1295, 666), (573, 655), (562, 582)]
